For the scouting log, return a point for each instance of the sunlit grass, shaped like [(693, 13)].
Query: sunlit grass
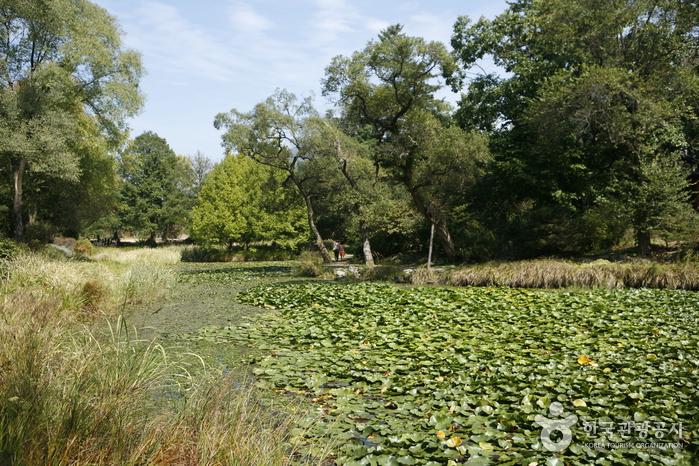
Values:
[(543, 273), (71, 394)]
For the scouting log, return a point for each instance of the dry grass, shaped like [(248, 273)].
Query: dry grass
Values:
[(68, 397), (152, 256), (562, 274)]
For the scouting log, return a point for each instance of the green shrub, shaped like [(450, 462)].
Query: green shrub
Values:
[(221, 254), (8, 248), (39, 233), (85, 247), (311, 264)]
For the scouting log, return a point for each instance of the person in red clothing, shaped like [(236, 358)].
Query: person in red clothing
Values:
[(336, 250), (342, 251)]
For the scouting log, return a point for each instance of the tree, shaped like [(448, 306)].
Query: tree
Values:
[(595, 94), (73, 206), (59, 60), (201, 166), (351, 159), (390, 88), (155, 190), (274, 133), (243, 201)]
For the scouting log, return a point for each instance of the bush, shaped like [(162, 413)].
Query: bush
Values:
[(221, 254), (85, 247), (8, 248), (39, 233), (311, 264)]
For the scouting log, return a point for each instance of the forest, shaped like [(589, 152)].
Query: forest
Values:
[(586, 141)]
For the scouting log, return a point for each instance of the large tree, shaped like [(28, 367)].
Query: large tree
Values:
[(59, 60), (156, 187), (389, 88), (275, 133), (243, 201), (598, 96)]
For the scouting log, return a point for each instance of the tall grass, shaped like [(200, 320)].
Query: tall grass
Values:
[(71, 396), (221, 254), (544, 273)]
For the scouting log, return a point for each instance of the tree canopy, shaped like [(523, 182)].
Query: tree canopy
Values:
[(156, 186), (594, 97), (60, 60), (243, 202)]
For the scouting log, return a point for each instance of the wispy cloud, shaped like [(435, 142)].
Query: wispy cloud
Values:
[(245, 18), (169, 40)]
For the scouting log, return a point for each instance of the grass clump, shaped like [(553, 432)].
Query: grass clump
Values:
[(311, 264), (546, 273)]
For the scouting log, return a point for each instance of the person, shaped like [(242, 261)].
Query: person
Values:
[(342, 251), (336, 250)]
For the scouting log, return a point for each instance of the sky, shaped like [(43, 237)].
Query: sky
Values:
[(207, 57)]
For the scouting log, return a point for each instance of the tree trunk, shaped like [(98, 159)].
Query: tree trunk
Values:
[(18, 167), (439, 225), (643, 242), (366, 243), (311, 223), (358, 208), (429, 253)]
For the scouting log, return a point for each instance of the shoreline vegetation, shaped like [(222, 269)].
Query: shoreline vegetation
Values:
[(557, 273), (78, 387)]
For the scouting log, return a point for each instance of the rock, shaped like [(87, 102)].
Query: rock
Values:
[(340, 273)]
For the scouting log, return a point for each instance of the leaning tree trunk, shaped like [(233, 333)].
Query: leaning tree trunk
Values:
[(358, 207), (440, 225), (311, 223), (18, 167)]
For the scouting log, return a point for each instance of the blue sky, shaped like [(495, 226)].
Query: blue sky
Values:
[(208, 57)]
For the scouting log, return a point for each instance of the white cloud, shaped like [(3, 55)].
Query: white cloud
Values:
[(169, 40), (245, 19)]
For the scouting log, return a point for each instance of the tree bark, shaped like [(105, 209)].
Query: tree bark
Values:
[(366, 243), (643, 242), (18, 167), (312, 224), (440, 226)]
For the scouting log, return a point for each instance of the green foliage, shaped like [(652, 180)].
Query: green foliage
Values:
[(213, 253), (155, 188), (61, 61), (39, 233), (275, 134), (388, 89), (431, 375), (594, 115), (85, 247), (243, 202), (8, 248)]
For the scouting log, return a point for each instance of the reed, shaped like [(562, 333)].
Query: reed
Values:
[(72, 395), (549, 273)]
